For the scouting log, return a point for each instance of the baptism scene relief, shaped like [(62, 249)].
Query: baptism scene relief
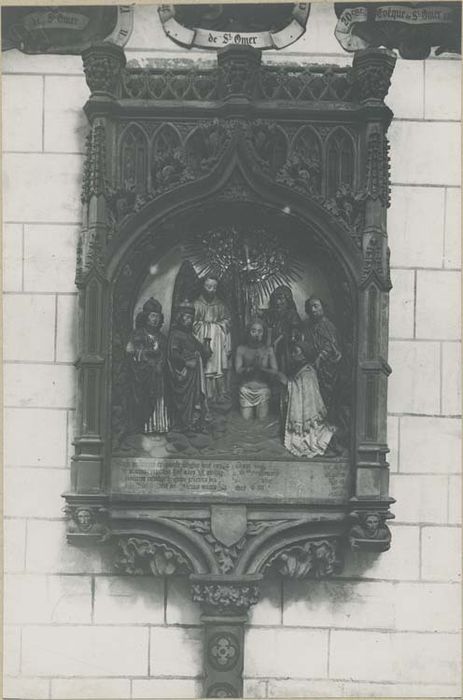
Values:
[(238, 344)]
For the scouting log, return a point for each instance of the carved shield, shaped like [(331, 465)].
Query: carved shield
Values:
[(228, 523)]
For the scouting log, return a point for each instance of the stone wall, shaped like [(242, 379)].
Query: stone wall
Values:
[(389, 626)]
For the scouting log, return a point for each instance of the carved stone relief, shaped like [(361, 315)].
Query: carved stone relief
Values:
[(234, 275)]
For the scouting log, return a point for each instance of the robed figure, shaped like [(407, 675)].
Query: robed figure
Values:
[(321, 336), (212, 326), (146, 355), (307, 431), (186, 359), (282, 318)]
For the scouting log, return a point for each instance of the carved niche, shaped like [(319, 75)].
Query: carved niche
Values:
[(273, 181)]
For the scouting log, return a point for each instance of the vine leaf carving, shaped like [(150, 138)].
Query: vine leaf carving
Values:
[(311, 559), (139, 556)]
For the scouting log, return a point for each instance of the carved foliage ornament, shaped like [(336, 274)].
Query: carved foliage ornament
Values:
[(137, 555), (378, 166), (293, 84), (225, 598), (311, 559), (102, 67), (376, 264), (228, 555), (292, 160), (373, 70)]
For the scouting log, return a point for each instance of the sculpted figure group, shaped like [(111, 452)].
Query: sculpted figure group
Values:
[(178, 380)]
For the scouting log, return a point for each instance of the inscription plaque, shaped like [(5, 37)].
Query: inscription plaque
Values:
[(249, 480)]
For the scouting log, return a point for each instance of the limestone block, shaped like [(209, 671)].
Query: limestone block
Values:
[(416, 226), (280, 58), (84, 651), (452, 250), (58, 557), (14, 62), (393, 442), (402, 299), (278, 652), (34, 492), (50, 258), (65, 124), (425, 153), (91, 688), (14, 545), (30, 386), (427, 658), (350, 689), (402, 657), (166, 688), (129, 599), (148, 32), (29, 327), (36, 599), (442, 89), (429, 445), (12, 241), (253, 688), (267, 611), (438, 305), (339, 604), (441, 554), (26, 688), (400, 562), (66, 328), (319, 37), (11, 649), (176, 651), (432, 607), (406, 94), (455, 499), (420, 499), (22, 112), (414, 385), (46, 437), (451, 378), (30, 197), (180, 608)]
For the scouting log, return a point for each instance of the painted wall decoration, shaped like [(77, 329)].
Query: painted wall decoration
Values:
[(236, 24), (64, 29), (411, 28)]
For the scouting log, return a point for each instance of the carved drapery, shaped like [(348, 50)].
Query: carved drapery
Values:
[(164, 150)]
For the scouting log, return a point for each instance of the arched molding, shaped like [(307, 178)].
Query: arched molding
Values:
[(133, 137), (339, 136), (171, 534), (274, 195)]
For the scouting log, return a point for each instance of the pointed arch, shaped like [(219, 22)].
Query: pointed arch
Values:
[(306, 156), (133, 158), (166, 138), (270, 143), (340, 161)]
